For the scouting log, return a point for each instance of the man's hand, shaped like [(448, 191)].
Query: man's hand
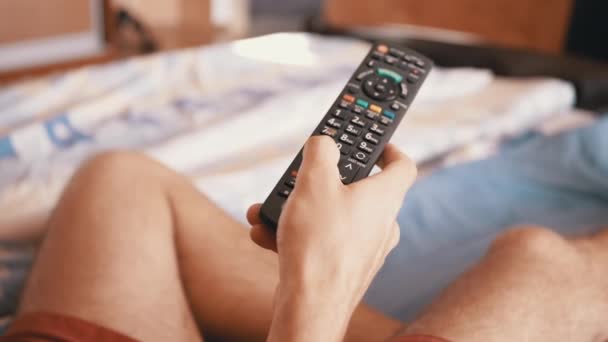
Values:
[(332, 239)]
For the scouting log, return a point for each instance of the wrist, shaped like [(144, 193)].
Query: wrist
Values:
[(308, 313), (316, 275), (317, 292)]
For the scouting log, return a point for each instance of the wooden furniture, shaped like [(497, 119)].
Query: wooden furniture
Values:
[(31, 19), (36, 23), (531, 24), (173, 24)]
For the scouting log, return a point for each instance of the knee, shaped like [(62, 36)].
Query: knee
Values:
[(116, 167), (117, 159), (535, 243)]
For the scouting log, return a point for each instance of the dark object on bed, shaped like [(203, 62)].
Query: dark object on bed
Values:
[(590, 78), (588, 29)]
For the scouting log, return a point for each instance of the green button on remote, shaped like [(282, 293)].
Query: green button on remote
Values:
[(362, 103), (390, 74)]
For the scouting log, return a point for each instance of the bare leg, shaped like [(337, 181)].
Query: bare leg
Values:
[(134, 247), (533, 285)]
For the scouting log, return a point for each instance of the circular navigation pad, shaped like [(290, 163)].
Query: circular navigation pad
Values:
[(380, 88)]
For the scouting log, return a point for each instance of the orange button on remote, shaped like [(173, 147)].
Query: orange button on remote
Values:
[(348, 98), (382, 48), (375, 108)]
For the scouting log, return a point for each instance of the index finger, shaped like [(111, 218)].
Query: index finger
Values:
[(319, 161), (398, 172), (253, 214)]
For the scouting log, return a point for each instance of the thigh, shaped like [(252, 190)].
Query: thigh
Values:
[(109, 256), (532, 285)]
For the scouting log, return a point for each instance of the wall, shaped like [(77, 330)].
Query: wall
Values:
[(535, 24), (34, 33), (34, 19)]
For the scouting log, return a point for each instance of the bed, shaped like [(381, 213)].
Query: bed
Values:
[(231, 116)]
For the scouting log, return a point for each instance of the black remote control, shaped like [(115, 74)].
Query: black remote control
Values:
[(363, 118)]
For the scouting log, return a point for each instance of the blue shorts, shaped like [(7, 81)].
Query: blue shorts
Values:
[(450, 217)]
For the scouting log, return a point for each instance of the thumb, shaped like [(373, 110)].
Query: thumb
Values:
[(319, 160)]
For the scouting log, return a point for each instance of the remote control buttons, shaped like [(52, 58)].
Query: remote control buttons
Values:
[(345, 104), (365, 147), (413, 79), (362, 103), (347, 139), (382, 48), (340, 113), (395, 52), (284, 193), (361, 156), (385, 121), (377, 55), (348, 170), (390, 60), (380, 88), (344, 149), (291, 182), (329, 131), (419, 62), (389, 115), (372, 138), (357, 120), (364, 74), (404, 90), (372, 115), (383, 85), (362, 108), (348, 98), (417, 71), (395, 106), (375, 108), (335, 123), (347, 101), (389, 74), (377, 129), (415, 60), (352, 129)]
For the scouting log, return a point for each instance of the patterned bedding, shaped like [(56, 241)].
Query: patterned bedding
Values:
[(230, 116)]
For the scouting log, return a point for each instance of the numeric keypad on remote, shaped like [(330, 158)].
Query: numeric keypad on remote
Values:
[(363, 118)]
